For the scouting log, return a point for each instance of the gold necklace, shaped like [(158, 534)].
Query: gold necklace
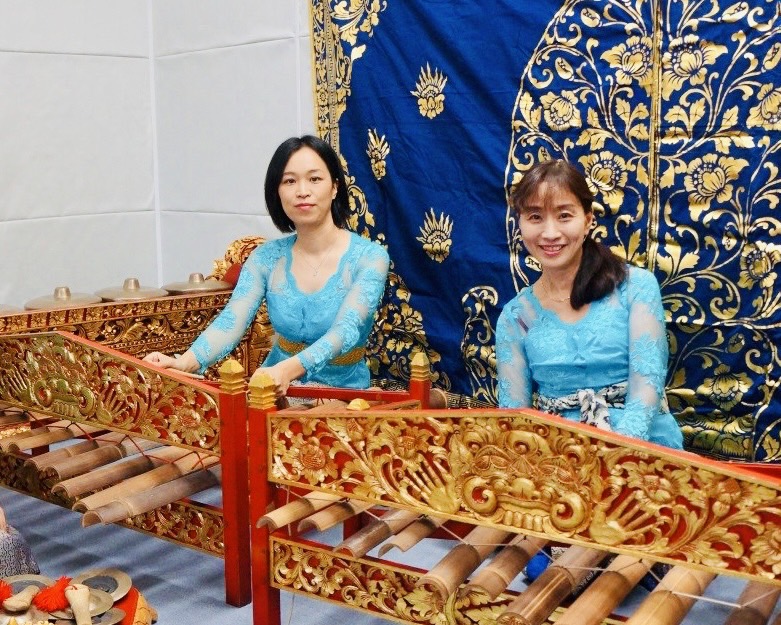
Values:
[(549, 295)]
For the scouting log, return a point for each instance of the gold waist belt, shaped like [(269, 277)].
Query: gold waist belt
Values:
[(355, 355)]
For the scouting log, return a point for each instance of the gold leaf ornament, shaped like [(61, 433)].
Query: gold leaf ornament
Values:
[(377, 151)]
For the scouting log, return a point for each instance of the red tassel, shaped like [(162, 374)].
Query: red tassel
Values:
[(52, 598), (6, 590)]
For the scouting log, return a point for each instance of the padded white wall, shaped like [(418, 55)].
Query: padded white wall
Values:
[(136, 134), (233, 80)]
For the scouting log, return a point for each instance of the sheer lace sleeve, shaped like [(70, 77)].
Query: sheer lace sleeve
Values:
[(513, 373), (365, 283), (228, 328), (647, 355)]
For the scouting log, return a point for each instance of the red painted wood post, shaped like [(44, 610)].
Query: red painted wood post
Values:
[(235, 489), (265, 598)]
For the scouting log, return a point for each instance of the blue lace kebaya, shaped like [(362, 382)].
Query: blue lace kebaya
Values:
[(621, 339), (328, 325)]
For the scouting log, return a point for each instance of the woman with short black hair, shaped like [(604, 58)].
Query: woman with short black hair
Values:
[(322, 284)]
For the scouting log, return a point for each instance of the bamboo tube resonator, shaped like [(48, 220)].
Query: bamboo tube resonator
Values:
[(494, 578), (297, 510), (445, 578), (151, 498), (365, 539), (534, 605)]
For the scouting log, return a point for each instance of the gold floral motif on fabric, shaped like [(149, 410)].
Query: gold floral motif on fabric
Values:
[(436, 235), (377, 151), (429, 91)]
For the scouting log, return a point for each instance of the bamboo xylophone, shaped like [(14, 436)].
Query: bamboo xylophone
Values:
[(92, 429), (501, 483)]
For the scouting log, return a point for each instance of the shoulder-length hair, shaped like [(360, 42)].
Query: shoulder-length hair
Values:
[(600, 271), (340, 207)]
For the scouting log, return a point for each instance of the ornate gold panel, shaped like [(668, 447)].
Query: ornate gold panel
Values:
[(377, 587), (540, 475), (55, 375)]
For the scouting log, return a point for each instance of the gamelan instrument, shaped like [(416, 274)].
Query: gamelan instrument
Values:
[(501, 484), (86, 425)]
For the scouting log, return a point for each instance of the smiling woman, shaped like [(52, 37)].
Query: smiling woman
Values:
[(321, 284), (587, 340)]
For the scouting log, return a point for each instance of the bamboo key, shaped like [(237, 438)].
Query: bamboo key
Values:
[(155, 497), (166, 472), (111, 448), (606, 592), (115, 472), (756, 604), (412, 534), (50, 436), (330, 516)]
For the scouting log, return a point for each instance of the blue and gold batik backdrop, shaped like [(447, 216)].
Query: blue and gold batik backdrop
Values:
[(671, 107)]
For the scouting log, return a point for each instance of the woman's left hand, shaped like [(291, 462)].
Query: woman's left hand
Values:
[(283, 373)]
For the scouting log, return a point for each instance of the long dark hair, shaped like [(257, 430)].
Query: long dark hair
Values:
[(600, 271), (340, 207)]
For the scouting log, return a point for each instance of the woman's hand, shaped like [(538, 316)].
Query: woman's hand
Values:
[(283, 373), (186, 362)]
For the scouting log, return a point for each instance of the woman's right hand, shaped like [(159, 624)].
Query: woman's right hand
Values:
[(186, 362), (161, 360)]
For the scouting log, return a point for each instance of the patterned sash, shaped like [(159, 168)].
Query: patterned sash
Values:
[(593, 404)]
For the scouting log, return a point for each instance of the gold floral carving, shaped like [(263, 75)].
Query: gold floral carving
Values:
[(429, 90), (378, 588), (167, 324), (186, 523), (238, 251), (542, 476), (59, 375), (436, 236), (377, 151)]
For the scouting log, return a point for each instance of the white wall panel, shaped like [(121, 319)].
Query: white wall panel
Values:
[(111, 27), (304, 10), (193, 241), (76, 135), (220, 115), (189, 25), (307, 87), (83, 253)]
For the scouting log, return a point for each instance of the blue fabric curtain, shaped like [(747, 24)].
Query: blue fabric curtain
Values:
[(672, 109)]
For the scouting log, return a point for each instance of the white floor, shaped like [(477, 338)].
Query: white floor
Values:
[(186, 587)]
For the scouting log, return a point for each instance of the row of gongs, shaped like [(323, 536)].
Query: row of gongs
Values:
[(131, 290)]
